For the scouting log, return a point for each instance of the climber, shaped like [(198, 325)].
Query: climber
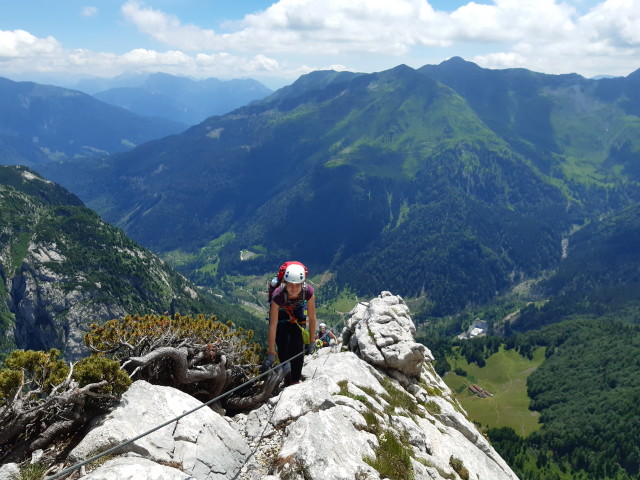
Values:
[(325, 337), (293, 303)]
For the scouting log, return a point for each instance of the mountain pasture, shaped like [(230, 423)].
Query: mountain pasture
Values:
[(505, 376)]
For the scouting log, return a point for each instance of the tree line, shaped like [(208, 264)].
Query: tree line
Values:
[(588, 394)]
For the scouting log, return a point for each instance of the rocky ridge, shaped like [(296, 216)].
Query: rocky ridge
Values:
[(371, 408), (62, 267)]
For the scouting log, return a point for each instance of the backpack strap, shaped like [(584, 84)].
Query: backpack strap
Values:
[(291, 308)]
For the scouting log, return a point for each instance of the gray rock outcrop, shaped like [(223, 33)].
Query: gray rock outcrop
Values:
[(48, 313), (202, 443), (340, 423), (381, 332)]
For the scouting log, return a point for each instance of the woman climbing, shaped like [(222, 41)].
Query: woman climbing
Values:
[(292, 305)]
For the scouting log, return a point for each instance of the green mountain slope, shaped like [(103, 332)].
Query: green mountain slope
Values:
[(63, 268), (600, 275), (60, 124), (225, 169), (391, 180), (582, 131), (604, 254)]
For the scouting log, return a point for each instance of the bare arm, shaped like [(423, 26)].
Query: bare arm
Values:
[(311, 306), (273, 326)]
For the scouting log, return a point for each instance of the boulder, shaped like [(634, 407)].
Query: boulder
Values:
[(132, 467), (202, 444), (381, 332)]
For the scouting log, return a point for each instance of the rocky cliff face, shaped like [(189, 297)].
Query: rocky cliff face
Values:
[(62, 268), (368, 409), (52, 308)]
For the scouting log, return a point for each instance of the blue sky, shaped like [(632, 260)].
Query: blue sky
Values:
[(276, 42)]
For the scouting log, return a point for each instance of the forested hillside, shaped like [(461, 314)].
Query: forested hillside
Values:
[(63, 269), (599, 277), (393, 169), (587, 317), (586, 391)]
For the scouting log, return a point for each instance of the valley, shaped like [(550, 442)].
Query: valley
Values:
[(505, 375), (471, 193)]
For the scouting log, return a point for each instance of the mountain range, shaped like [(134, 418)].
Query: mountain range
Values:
[(451, 182), (182, 99), (40, 123)]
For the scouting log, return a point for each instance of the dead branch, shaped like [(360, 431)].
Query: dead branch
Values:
[(58, 430), (256, 394), (208, 365), (29, 422), (181, 372)]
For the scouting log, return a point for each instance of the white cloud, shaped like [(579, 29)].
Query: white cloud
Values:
[(372, 26), (380, 27), (21, 44), (509, 20), (22, 52), (89, 11), (168, 30), (337, 27), (150, 58), (606, 39), (616, 22), (290, 36)]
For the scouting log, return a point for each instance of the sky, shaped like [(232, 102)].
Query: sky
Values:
[(58, 41)]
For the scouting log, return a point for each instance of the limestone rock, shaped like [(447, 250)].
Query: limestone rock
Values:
[(44, 309), (332, 426), (203, 443), (136, 468), (9, 471), (381, 332)]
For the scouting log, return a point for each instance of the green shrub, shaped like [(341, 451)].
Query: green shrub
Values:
[(459, 467), (32, 371), (393, 459), (400, 399), (39, 372), (136, 335), (432, 407), (95, 369), (33, 471)]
